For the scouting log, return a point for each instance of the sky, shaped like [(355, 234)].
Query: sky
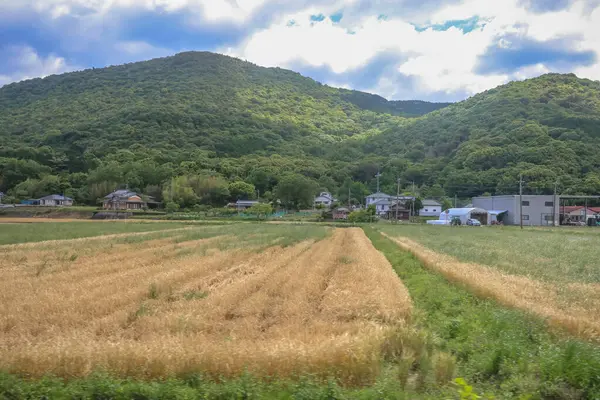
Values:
[(434, 50)]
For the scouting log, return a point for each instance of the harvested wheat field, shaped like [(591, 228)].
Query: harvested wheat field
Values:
[(214, 300), (571, 306)]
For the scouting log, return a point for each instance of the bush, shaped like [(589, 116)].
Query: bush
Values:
[(260, 210), (171, 207), (361, 216)]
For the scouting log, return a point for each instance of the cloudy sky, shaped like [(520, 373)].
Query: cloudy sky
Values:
[(438, 50)]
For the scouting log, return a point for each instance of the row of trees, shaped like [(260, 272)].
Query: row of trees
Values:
[(293, 191)]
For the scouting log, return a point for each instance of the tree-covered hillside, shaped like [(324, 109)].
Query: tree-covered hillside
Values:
[(204, 129), (547, 129), (203, 100)]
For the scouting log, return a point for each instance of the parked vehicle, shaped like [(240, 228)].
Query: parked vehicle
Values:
[(473, 222), (455, 221)]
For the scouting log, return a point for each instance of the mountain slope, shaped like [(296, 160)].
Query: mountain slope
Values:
[(142, 124), (201, 100), (547, 129)]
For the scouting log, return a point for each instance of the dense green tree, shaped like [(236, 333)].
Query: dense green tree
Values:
[(358, 192), (179, 190), (14, 171), (240, 190), (416, 207), (296, 191)]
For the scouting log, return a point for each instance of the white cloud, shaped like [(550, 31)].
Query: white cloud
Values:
[(237, 11), (591, 41), (530, 71), (442, 60), (136, 48), (437, 60), (28, 64), (434, 61)]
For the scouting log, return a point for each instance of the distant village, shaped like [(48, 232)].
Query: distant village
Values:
[(527, 210)]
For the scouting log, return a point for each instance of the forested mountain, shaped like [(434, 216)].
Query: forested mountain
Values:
[(547, 129), (205, 128)]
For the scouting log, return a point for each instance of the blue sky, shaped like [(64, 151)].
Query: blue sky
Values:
[(437, 50)]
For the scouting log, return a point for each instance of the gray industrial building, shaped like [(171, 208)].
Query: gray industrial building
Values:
[(537, 210)]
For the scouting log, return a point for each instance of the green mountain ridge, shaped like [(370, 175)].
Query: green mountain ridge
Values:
[(546, 128), (144, 123)]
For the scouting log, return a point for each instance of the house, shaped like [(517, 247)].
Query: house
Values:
[(569, 214), (463, 214), (399, 210), (538, 210), (123, 200), (242, 205), (372, 198), (55, 200), (341, 213), (431, 208), (383, 202), (324, 199)]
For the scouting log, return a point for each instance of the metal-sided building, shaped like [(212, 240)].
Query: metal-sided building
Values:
[(537, 210)]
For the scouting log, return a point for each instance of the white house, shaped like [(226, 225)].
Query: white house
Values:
[(382, 205), (431, 208), (383, 202), (324, 199), (56, 200), (372, 198)]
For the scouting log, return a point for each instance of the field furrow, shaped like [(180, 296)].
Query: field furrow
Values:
[(221, 305), (574, 307)]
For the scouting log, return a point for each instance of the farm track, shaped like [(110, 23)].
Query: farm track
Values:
[(574, 307), (160, 308)]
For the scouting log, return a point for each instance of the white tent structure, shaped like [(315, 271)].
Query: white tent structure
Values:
[(463, 214)]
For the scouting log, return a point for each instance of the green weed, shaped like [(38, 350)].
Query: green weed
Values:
[(195, 294), (153, 292), (497, 349)]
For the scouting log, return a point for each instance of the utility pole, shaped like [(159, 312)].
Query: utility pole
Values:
[(455, 200), (397, 199), (554, 204), (378, 175), (521, 200), (412, 204), (349, 206)]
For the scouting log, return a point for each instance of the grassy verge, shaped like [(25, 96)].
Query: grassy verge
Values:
[(101, 386), (37, 232), (504, 351)]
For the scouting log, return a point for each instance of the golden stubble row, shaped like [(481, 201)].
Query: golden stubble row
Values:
[(574, 307), (316, 307)]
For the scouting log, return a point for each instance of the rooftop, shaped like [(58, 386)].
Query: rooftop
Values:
[(378, 195), (430, 202), (121, 193), (58, 197)]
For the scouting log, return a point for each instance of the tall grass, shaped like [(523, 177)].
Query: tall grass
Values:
[(553, 255), (38, 232), (149, 310), (572, 307), (501, 350)]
